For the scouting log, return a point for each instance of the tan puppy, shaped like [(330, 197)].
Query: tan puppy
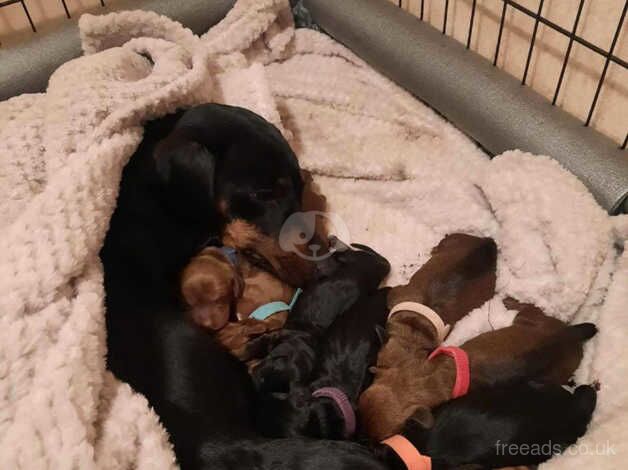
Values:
[(212, 286)]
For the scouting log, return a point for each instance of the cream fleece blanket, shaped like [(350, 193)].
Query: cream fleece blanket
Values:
[(396, 173)]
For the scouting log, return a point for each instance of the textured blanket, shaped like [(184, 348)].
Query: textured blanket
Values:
[(397, 175)]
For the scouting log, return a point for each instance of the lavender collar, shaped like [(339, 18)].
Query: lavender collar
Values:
[(342, 402)]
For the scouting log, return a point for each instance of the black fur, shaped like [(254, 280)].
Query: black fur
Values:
[(479, 428), (167, 208), (348, 348), (292, 352)]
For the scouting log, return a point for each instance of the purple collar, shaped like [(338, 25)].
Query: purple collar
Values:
[(342, 402)]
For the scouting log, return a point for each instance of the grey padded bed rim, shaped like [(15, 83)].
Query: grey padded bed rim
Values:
[(26, 66), (481, 100), (490, 106)]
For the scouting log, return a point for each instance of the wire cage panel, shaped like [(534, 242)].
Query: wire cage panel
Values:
[(17, 16), (573, 52)]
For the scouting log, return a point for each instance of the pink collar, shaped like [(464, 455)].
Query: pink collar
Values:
[(342, 402), (463, 374)]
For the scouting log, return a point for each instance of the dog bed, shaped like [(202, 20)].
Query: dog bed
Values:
[(398, 176)]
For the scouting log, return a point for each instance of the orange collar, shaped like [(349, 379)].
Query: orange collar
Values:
[(463, 374), (410, 456)]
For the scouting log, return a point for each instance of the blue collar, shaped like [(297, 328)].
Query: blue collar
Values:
[(266, 310), (230, 253)]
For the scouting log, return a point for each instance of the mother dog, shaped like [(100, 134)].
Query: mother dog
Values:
[(193, 172)]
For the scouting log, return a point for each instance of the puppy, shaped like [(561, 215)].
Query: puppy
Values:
[(458, 277), (326, 407), (218, 289), (211, 284), (481, 429), (292, 352), (535, 346)]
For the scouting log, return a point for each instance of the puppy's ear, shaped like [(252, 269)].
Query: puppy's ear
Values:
[(238, 284), (186, 169), (423, 418)]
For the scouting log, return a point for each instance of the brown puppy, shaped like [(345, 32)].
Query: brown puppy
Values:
[(459, 277), (218, 289), (213, 286), (209, 286), (535, 346)]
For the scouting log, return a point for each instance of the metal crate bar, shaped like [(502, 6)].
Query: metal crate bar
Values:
[(565, 32), (568, 51), (471, 19), (6, 3), (532, 41), (499, 35), (607, 62)]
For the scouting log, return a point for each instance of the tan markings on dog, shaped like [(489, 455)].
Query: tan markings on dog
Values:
[(288, 266)]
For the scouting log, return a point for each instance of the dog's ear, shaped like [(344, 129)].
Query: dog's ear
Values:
[(186, 170)]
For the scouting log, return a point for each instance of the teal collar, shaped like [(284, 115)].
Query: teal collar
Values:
[(266, 310)]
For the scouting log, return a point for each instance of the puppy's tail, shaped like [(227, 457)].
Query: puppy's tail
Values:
[(583, 331)]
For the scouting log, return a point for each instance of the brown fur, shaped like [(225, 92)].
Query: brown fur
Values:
[(459, 277), (209, 286), (468, 259), (406, 381), (213, 288)]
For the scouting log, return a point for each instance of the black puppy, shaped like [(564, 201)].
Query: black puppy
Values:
[(326, 407), (292, 352), (194, 171), (520, 424)]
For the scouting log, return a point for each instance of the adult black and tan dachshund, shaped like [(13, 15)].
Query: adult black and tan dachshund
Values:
[(193, 172)]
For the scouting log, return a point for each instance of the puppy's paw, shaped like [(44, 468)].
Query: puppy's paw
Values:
[(234, 336)]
